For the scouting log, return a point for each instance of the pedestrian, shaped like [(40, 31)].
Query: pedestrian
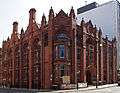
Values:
[(1, 84)]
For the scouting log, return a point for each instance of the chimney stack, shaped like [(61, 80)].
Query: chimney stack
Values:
[(32, 16), (15, 27)]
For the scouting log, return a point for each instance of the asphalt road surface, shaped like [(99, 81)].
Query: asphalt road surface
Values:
[(15, 91), (105, 90)]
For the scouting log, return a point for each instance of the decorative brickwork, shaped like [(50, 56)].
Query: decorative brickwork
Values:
[(40, 56)]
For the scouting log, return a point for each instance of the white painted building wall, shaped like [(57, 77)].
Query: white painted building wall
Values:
[(107, 17), (103, 16)]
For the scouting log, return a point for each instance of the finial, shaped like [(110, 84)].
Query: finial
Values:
[(43, 14), (95, 26), (8, 38), (82, 22), (90, 21), (72, 7)]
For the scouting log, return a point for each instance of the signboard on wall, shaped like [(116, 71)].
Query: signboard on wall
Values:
[(68, 86), (82, 85), (66, 79)]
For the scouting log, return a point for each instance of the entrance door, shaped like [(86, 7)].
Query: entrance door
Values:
[(88, 77)]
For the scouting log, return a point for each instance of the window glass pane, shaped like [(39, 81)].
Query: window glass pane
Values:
[(61, 70), (91, 55), (78, 72), (10, 75), (25, 59), (86, 56), (39, 55), (67, 52), (62, 51), (62, 35), (78, 54), (17, 74), (68, 71), (36, 73), (104, 59), (56, 71), (25, 74), (56, 52)]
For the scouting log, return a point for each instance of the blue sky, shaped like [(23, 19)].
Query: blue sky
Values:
[(18, 10)]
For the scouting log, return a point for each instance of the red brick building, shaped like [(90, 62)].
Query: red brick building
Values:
[(0, 66), (40, 56)]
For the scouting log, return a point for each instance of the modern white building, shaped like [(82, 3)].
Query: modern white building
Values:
[(106, 16)]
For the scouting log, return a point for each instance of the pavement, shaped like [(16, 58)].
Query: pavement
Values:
[(90, 87)]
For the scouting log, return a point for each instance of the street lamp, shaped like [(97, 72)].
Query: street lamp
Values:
[(96, 64)]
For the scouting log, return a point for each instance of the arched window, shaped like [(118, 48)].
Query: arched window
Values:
[(26, 55), (37, 63), (10, 58), (17, 57), (90, 44), (37, 46), (10, 66)]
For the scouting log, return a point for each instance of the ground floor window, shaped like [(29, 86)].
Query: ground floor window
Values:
[(78, 73), (36, 73), (68, 71), (61, 70), (25, 74)]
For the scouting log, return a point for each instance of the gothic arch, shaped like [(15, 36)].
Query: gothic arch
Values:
[(36, 43)]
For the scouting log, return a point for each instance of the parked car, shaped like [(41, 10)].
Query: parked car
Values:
[(119, 82)]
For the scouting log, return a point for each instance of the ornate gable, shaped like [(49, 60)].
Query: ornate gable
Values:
[(62, 14), (89, 27), (61, 18)]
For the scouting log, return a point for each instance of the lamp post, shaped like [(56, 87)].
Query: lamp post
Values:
[(96, 64)]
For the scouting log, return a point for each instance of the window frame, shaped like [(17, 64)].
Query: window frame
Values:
[(62, 50)]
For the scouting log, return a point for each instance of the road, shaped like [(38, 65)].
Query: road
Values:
[(4, 90), (105, 90)]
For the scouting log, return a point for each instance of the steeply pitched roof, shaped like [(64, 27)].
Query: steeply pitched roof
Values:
[(61, 13)]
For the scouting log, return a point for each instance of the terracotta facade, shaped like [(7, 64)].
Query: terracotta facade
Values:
[(0, 66), (40, 56)]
